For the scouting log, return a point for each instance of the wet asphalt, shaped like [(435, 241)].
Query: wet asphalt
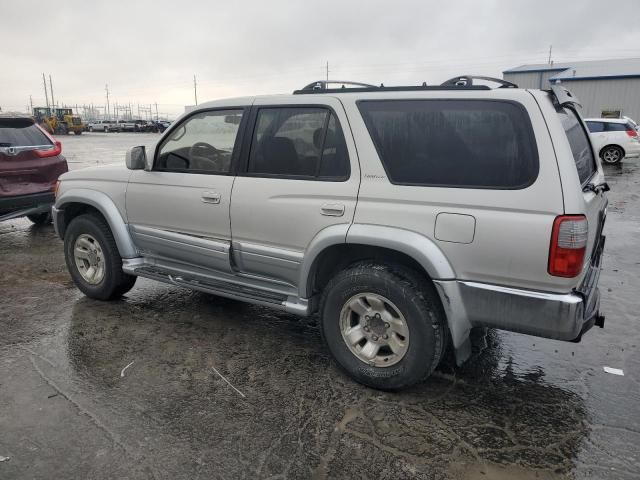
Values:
[(521, 408)]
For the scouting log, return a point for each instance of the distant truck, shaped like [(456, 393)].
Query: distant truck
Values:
[(58, 121), (103, 126)]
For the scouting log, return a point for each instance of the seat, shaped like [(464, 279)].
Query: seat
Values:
[(278, 156)]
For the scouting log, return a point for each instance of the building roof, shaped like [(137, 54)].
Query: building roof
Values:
[(586, 70)]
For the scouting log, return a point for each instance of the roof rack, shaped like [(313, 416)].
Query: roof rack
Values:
[(467, 81), (322, 86)]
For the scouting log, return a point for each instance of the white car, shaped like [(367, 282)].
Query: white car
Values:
[(614, 138)]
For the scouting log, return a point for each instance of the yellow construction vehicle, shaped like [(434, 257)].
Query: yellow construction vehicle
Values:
[(58, 121)]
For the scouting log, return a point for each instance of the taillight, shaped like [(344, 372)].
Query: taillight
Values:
[(568, 245), (50, 152), (632, 133)]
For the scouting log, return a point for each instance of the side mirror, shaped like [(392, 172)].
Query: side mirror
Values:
[(136, 158)]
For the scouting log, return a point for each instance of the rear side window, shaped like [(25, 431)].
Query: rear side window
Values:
[(453, 143), (580, 145), (19, 134), (616, 127), (595, 127), (298, 142)]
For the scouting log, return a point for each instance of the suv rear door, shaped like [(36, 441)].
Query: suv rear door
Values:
[(589, 173), (300, 176), (29, 159)]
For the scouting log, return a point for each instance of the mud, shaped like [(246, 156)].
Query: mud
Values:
[(521, 408)]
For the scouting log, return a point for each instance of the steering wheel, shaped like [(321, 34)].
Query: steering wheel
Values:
[(206, 157)]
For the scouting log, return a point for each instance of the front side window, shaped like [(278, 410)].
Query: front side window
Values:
[(453, 143), (298, 142), (202, 143), (579, 142)]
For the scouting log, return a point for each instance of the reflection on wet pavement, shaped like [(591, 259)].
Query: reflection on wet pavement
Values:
[(521, 408)]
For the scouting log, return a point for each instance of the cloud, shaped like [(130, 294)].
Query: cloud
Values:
[(148, 51)]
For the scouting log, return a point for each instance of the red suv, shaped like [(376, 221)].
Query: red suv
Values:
[(30, 163)]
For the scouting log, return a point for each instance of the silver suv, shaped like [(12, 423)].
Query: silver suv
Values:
[(403, 216)]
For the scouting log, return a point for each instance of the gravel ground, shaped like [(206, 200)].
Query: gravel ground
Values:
[(521, 408)]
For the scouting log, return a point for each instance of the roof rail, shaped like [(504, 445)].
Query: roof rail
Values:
[(467, 81), (322, 86)]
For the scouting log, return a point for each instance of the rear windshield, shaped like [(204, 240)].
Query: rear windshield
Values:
[(580, 145), (21, 136), (454, 143)]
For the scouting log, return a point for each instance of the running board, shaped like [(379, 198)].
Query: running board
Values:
[(226, 289)]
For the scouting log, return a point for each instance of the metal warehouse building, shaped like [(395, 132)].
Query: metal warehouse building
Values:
[(609, 88)]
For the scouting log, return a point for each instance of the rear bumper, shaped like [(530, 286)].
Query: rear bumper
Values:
[(18, 206), (632, 149), (565, 316)]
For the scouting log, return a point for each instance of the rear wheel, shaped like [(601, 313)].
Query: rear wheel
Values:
[(93, 259), (40, 218), (611, 155), (383, 324)]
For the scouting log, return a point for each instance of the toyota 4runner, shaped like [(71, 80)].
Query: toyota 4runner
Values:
[(404, 216)]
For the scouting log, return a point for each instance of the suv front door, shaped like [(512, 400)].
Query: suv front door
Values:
[(179, 211), (300, 177)]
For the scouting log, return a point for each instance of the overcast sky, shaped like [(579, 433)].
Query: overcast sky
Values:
[(148, 51)]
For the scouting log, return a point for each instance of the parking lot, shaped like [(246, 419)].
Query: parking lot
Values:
[(136, 388)]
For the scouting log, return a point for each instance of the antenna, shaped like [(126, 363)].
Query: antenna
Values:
[(195, 89)]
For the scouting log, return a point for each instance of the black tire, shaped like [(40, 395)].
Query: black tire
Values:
[(115, 282), (415, 298), (78, 132), (40, 218), (612, 155), (91, 129)]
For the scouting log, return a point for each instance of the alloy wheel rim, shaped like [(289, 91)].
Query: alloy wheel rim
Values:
[(89, 259), (611, 156), (374, 329)]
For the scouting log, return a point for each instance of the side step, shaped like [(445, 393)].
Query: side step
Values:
[(223, 289)]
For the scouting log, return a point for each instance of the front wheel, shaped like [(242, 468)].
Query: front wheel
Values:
[(612, 155), (384, 325), (93, 259)]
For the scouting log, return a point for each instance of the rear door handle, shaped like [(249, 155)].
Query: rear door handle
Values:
[(332, 209), (210, 197)]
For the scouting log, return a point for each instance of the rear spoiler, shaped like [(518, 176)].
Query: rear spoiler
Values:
[(564, 97)]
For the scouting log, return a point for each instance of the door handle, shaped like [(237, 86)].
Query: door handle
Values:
[(332, 209), (210, 197)]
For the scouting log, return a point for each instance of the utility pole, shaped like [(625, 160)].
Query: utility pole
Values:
[(195, 89), (156, 111), (46, 95), (550, 48), (31, 104), (327, 71), (106, 87), (53, 103)]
